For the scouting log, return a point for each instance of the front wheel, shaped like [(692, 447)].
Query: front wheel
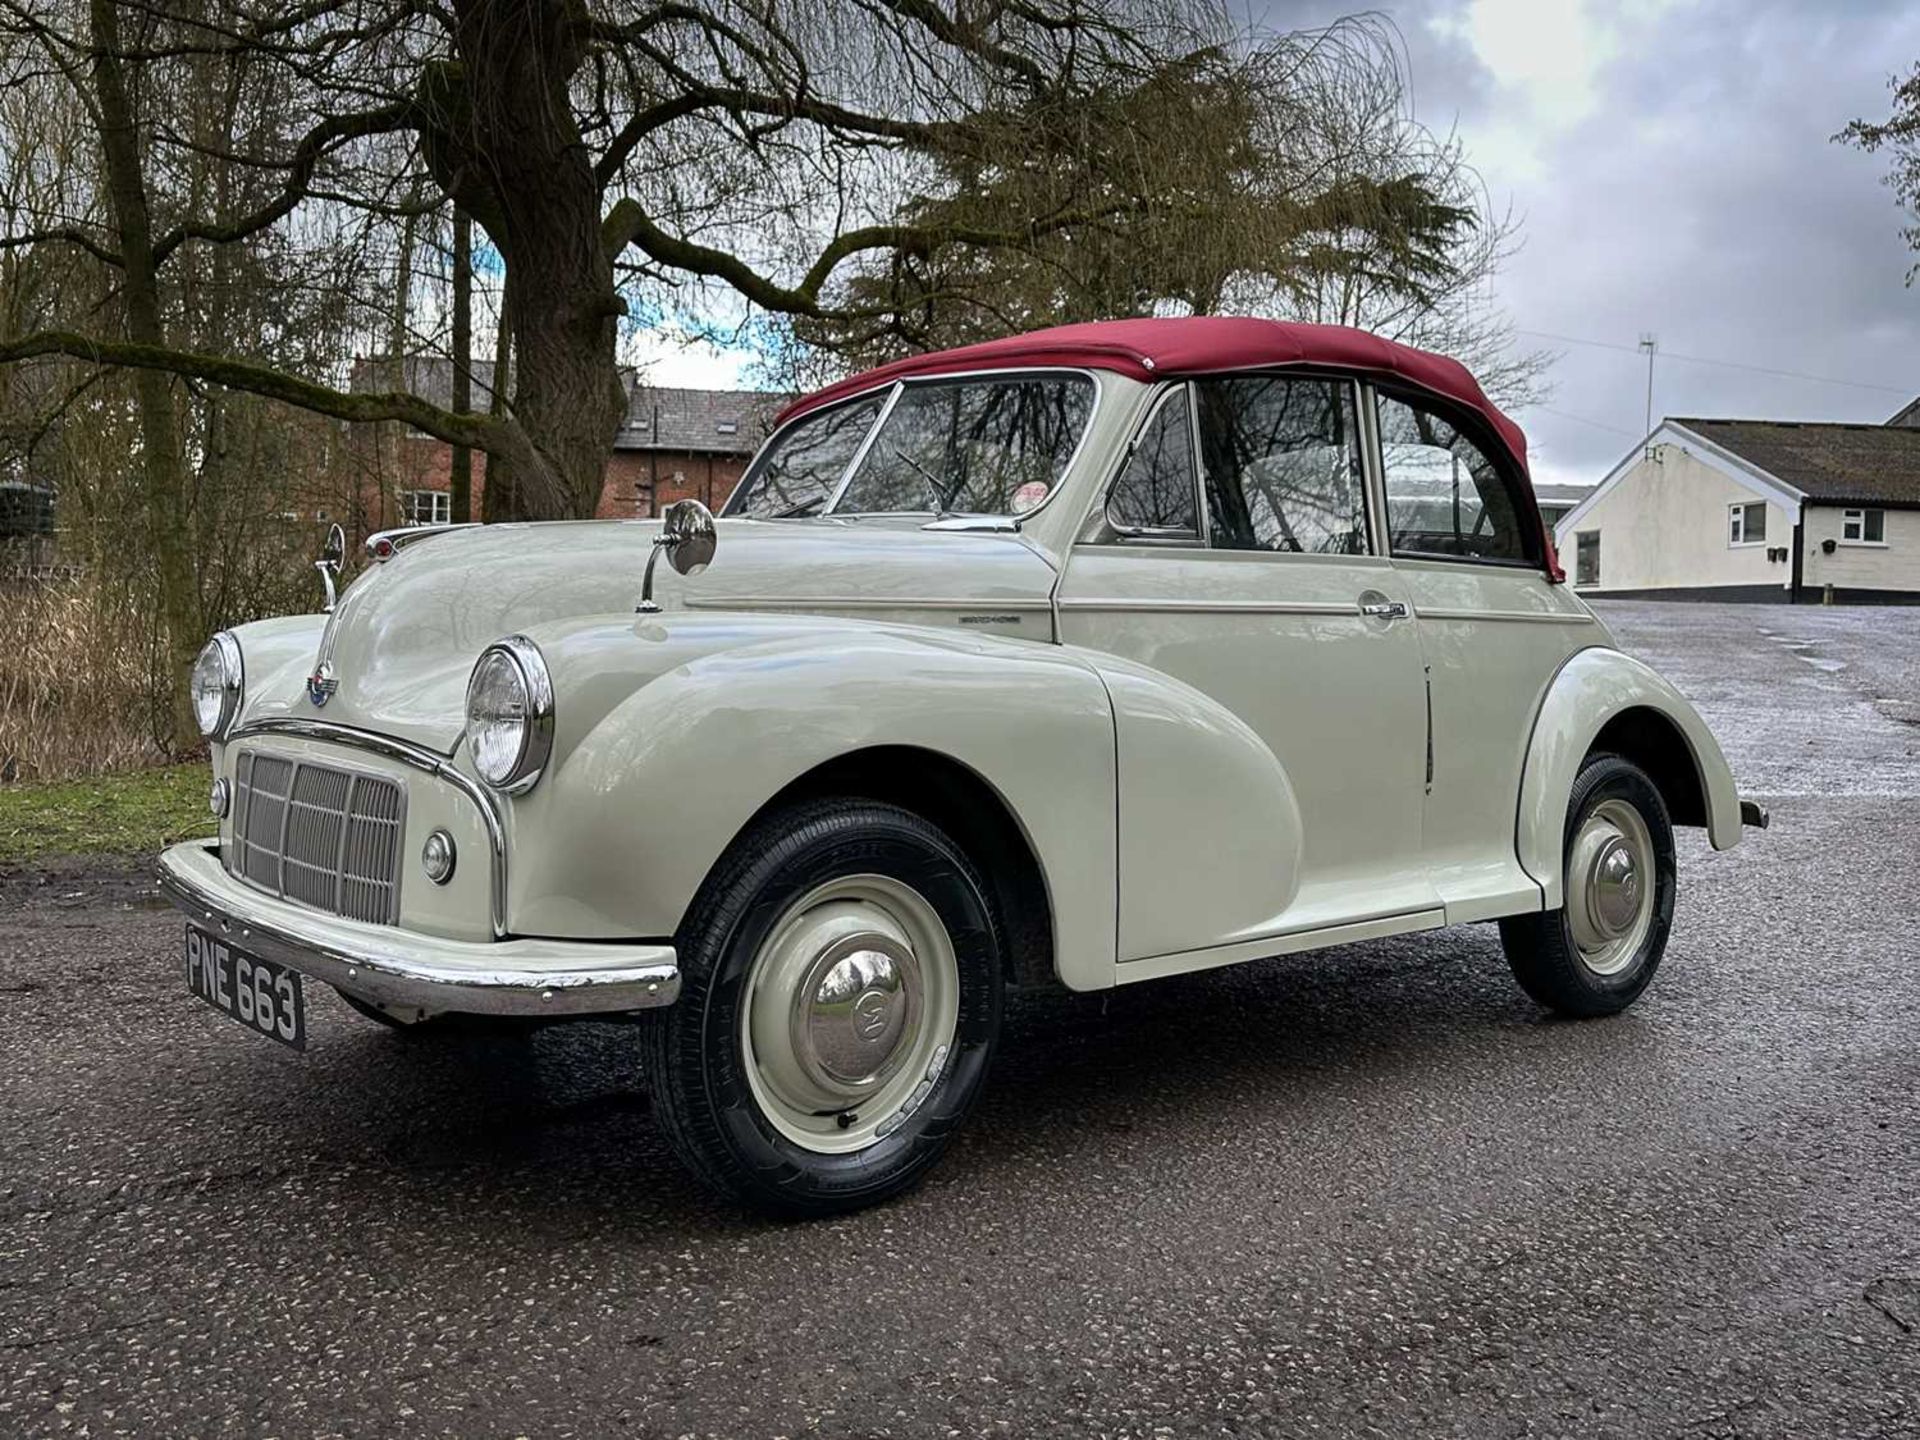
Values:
[(839, 1005), (1600, 949)]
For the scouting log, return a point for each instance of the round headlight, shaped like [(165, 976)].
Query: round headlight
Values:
[(510, 714), (217, 680)]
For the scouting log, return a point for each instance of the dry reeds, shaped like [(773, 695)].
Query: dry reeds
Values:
[(77, 679)]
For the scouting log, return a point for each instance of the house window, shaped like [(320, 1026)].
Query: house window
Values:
[(1747, 524), (727, 427), (1864, 527), (425, 507), (1586, 557)]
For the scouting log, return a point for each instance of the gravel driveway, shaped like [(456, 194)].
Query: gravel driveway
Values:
[(1372, 1191)]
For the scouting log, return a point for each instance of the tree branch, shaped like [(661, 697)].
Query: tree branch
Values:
[(629, 224), (306, 159), (64, 233), (497, 435)]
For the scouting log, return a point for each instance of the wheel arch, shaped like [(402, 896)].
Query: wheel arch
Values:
[(1652, 741), (973, 813), (1602, 699)]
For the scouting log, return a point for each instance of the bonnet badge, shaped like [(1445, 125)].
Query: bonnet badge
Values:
[(321, 684)]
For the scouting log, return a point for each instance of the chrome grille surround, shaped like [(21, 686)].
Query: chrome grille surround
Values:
[(323, 837)]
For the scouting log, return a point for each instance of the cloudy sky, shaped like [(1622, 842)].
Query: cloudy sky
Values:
[(1671, 164)]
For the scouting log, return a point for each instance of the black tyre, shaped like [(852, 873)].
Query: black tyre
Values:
[(839, 1005), (1600, 949)]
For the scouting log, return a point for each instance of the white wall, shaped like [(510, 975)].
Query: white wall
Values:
[(1664, 527), (1894, 565)]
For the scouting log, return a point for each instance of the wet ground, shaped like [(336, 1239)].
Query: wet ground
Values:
[(1370, 1192)]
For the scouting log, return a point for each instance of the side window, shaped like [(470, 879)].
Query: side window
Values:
[(1155, 493), (1586, 562), (797, 473), (1281, 461), (1445, 495)]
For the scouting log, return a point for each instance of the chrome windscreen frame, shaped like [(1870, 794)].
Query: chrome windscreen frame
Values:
[(419, 757)]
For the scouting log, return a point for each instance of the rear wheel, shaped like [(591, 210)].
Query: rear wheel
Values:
[(839, 1005), (1600, 949)]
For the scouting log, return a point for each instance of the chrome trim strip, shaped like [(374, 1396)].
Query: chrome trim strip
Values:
[(860, 602), (402, 536), (1222, 607), (860, 454), (1536, 617), (383, 966), (420, 758)]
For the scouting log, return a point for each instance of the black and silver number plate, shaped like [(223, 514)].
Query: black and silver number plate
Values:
[(259, 994)]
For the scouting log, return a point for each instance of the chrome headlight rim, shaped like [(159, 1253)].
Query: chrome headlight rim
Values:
[(536, 734), (233, 683)]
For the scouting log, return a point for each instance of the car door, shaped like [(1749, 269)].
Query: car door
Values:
[(1233, 552), (1469, 550)]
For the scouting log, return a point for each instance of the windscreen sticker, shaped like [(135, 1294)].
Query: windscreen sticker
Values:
[(1029, 496)]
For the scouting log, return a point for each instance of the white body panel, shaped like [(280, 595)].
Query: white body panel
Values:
[(1336, 701)]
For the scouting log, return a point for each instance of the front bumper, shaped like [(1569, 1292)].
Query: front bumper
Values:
[(405, 968)]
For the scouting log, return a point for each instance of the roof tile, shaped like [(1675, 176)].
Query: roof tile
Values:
[(1831, 463)]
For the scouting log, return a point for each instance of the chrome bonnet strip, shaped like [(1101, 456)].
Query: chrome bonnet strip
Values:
[(439, 766)]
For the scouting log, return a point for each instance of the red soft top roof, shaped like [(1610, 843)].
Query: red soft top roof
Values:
[(1193, 345)]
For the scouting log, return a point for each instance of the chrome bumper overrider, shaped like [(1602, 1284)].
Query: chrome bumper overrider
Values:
[(404, 967)]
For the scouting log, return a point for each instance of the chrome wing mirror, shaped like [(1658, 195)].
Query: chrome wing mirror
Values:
[(688, 537), (332, 554)]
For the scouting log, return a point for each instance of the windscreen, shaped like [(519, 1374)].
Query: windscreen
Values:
[(972, 446)]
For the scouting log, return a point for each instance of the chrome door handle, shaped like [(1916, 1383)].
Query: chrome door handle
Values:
[(1383, 609)]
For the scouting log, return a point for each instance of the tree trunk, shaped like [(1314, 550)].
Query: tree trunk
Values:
[(397, 359), (497, 501), (460, 483), (539, 200), (163, 471)]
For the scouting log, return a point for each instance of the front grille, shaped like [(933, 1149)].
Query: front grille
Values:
[(323, 837)]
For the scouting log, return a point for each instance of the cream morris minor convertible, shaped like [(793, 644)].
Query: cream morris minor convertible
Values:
[(1084, 657)]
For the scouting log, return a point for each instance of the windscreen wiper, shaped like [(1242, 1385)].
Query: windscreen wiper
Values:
[(934, 492)]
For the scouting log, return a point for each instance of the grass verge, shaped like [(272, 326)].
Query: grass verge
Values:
[(130, 812)]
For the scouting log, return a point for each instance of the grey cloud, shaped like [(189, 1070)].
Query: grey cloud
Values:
[(1701, 199)]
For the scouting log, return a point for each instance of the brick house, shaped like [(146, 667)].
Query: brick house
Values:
[(673, 443)]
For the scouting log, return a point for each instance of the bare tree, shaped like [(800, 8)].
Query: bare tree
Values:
[(865, 173)]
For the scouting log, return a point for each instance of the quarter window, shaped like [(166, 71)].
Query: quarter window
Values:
[(798, 472), (425, 507), (1155, 494), (1747, 524), (1586, 557), (1445, 495), (1281, 461), (1864, 526)]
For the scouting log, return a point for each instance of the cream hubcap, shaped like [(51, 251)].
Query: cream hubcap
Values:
[(1610, 886), (850, 1012)]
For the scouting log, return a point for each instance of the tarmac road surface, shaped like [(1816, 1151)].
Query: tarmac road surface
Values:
[(1372, 1191)]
